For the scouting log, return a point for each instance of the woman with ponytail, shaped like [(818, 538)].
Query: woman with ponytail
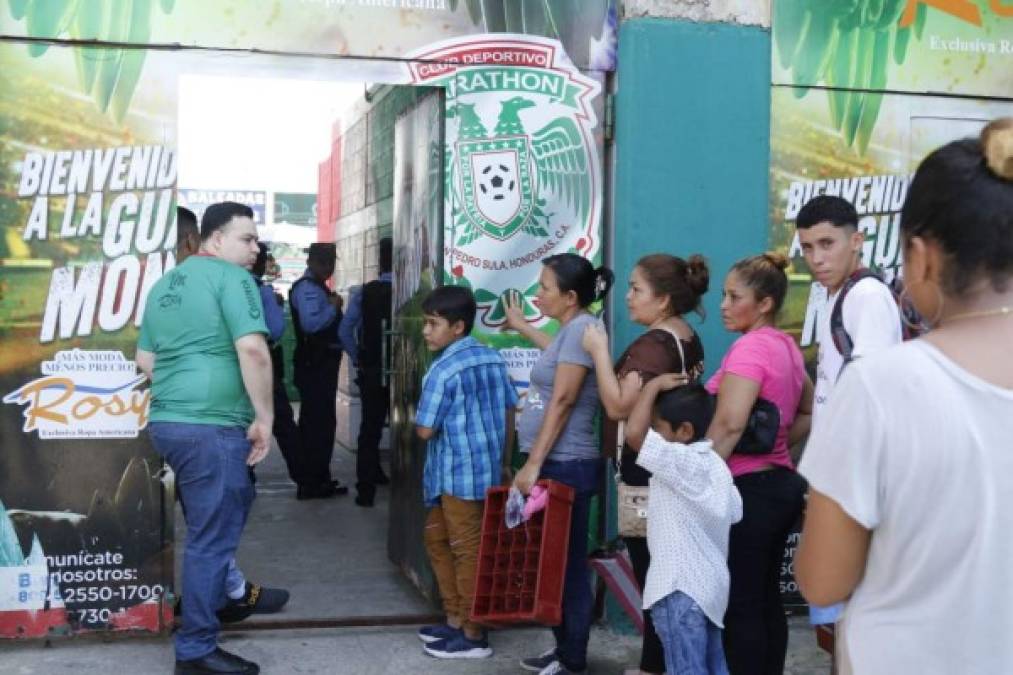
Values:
[(556, 432), (764, 363), (662, 289), (911, 477)]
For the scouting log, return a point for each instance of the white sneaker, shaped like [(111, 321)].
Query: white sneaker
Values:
[(536, 664), (557, 668)]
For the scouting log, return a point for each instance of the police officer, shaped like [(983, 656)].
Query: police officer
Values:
[(285, 430), (316, 314), (362, 335)]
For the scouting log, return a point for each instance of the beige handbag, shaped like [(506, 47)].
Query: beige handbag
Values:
[(632, 507)]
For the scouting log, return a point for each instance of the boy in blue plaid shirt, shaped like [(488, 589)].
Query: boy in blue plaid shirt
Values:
[(466, 415)]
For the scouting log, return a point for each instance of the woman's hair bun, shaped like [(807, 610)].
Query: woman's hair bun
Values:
[(697, 274), (777, 259), (604, 278), (997, 146)]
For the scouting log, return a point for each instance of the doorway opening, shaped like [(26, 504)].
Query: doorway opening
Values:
[(323, 154)]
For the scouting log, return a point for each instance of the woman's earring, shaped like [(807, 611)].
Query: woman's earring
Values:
[(910, 316)]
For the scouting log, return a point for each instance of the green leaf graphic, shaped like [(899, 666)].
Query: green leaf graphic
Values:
[(10, 548)]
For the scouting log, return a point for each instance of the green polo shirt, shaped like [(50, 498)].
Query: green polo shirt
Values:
[(192, 318)]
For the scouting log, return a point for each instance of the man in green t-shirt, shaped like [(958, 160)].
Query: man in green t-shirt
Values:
[(202, 345)]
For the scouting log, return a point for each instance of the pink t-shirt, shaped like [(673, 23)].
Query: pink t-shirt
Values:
[(771, 358)]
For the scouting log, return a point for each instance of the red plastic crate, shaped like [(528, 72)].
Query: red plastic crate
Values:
[(520, 571)]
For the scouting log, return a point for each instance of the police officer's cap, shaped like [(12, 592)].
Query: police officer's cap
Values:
[(323, 251)]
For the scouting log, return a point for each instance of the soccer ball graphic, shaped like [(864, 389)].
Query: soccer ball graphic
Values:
[(497, 181)]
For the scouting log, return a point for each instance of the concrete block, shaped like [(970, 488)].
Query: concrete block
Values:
[(743, 12)]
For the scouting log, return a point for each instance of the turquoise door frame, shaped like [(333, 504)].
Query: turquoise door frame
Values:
[(692, 130), (692, 153)]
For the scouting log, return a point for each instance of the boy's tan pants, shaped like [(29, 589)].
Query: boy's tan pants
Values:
[(453, 530)]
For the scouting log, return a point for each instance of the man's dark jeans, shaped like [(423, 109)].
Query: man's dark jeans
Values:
[(375, 400), (286, 432), (584, 476), (215, 488), (318, 391)]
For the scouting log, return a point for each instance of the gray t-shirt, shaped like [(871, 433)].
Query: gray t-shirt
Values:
[(577, 441)]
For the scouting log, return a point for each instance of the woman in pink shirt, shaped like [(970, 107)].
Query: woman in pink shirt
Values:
[(764, 363)]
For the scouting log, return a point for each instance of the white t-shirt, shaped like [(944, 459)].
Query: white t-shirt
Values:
[(919, 451), (693, 503), (870, 317)]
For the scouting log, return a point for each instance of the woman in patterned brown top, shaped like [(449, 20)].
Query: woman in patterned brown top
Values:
[(662, 289)]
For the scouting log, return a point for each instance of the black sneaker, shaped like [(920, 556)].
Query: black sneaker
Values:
[(234, 611), (323, 491), (257, 600), (459, 646), (218, 661), (437, 632)]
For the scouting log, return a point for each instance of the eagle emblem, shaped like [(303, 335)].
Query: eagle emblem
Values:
[(501, 180)]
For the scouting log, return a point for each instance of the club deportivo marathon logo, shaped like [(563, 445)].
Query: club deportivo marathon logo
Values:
[(522, 173)]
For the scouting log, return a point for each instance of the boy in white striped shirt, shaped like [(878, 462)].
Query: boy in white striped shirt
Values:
[(693, 504)]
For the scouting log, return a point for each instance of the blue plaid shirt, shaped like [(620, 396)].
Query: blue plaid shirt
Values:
[(465, 397)]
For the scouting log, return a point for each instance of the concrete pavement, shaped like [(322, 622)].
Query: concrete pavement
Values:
[(356, 651)]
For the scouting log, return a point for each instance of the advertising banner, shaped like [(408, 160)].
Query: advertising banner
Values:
[(361, 28), (199, 199), (295, 208), (522, 172), (863, 138), (808, 158), (87, 225), (962, 47), (852, 115), (858, 51)]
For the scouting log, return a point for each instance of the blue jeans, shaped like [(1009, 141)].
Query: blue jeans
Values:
[(235, 582), (215, 488), (692, 642), (584, 476), (819, 615)]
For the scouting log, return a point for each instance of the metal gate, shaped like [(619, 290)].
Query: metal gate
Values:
[(418, 259)]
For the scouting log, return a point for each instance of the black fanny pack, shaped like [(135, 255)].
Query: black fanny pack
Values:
[(760, 434)]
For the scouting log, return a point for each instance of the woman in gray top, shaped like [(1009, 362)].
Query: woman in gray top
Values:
[(556, 431)]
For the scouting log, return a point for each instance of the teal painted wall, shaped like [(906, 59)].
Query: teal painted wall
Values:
[(692, 143)]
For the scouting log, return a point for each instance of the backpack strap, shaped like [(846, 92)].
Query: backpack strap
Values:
[(845, 345)]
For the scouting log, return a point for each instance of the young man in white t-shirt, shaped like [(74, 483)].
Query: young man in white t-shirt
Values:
[(832, 247)]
